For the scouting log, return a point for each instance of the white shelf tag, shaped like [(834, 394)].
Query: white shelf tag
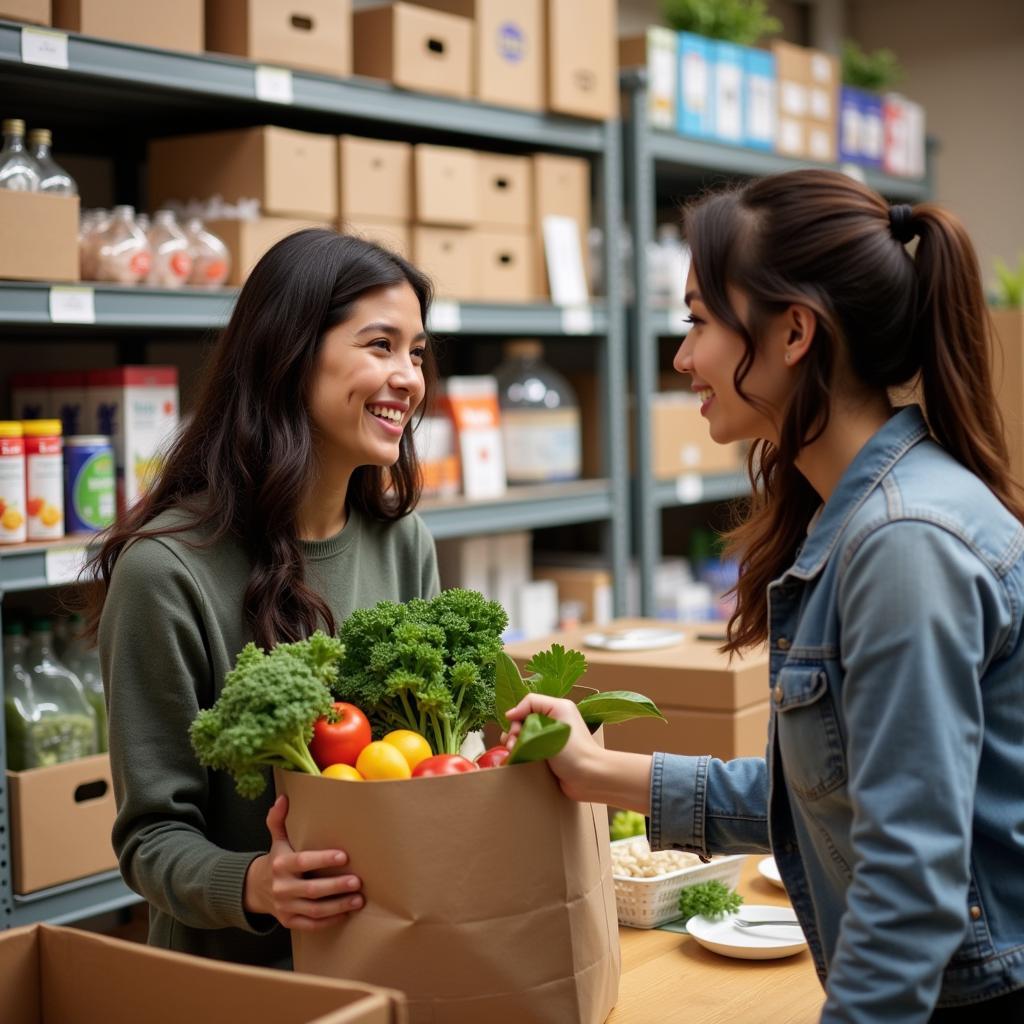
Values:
[(577, 320), (444, 316), (689, 488), (43, 47), (64, 564), (72, 306), (274, 85)]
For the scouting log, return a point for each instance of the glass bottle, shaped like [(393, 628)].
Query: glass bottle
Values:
[(53, 177), (18, 170), (172, 263), (211, 260), (540, 417), (83, 659), (122, 250)]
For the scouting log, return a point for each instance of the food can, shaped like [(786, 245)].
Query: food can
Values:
[(12, 483), (90, 485), (44, 476)]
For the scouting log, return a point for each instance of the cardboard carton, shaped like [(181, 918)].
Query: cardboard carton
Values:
[(471, 403), (390, 234), (582, 64), (448, 257), (416, 48), (505, 191), (374, 179), (657, 51), (590, 588), (681, 440), (292, 174), (561, 188), (38, 236), (51, 975), (248, 240), (37, 12), (61, 818), (713, 706), (446, 186), (314, 35), (1008, 373), (505, 270), (172, 24)]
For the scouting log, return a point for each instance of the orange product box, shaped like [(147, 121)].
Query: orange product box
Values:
[(472, 405)]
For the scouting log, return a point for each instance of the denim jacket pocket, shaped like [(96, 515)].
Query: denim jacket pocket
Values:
[(807, 731)]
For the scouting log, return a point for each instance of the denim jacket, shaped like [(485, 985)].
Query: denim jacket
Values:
[(892, 792)]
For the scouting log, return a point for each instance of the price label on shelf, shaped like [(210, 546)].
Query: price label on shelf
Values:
[(72, 306), (577, 320), (274, 85), (689, 488), (444, 316), (43, 47), (64, 564)]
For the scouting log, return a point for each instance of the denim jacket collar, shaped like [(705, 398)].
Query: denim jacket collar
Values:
[(904, 429)]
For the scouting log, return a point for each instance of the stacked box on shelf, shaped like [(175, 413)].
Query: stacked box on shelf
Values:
[(38, 236), (582, 70), (172, 24), (760, 107), (861, 127), (375, 191), (695, 111), (808, 102), (904, 154), (504, 241), (656, 51), (561, 188), (35, 12)]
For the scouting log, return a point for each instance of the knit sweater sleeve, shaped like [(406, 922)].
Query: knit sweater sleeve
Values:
[(157, 675)]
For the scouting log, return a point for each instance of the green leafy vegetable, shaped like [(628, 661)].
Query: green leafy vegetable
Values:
[(738, 21), (617, 706), (709, 899), (540, 738), (626, 824), (509, 688), (555, 671)]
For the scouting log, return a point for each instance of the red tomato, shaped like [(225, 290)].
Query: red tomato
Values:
[(443, 764), (340, 741), (493, 758)]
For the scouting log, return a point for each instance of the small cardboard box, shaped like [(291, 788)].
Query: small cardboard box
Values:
[(314, 35), (395, 235), (51, 975), (374, 179), (505, 191), (681, 440), (472, 404), (38, 236), (590, 588), (37, 12), (172, 24), (582, 58), (1008, 373), (248, 240), (505, 266), (446, 186), (508, 69), (61, 819), (448, 257), (416, 48), (657, 51), (713, 706), (292, 174), (561, 188)]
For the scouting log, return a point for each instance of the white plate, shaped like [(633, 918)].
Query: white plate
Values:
[(640, 639), (763, 943), (770, 870)]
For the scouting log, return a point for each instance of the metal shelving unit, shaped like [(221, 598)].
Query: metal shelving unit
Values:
[(152, 92)]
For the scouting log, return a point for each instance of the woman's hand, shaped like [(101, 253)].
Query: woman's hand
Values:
[(276, 884)]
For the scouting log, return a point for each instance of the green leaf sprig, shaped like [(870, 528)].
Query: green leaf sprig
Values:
[(712, 899)]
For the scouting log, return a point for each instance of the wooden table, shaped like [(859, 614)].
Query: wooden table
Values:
[(669, 978)]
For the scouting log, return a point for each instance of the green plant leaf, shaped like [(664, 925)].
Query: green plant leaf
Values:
[(738, 21), (509, 688), (617, 706), (555, 671), (541, 737)]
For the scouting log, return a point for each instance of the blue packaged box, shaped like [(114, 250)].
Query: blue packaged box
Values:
[(695, 98), (729, 100), (760, 107), (861, 127)]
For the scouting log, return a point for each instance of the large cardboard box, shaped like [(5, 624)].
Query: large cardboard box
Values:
[(292, 174), (681, 442), (374, 178), (416, 48), (172, 24), (395, 235), (713, 706), (561, 188), (505, 191), (51, 975), (582, 61), (38, 236), (508, 68), (505, 266), (1008, 373), (448, 257), (314, 35), (61, 818), (248, 240), (808, 102), (35, 11), (446, 186)]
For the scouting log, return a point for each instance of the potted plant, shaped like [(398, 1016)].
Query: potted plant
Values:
[(735, 21)]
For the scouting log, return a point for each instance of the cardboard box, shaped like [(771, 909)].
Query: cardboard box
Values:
[(292, 174), (38, 236), (713, 706), (446, 186), (248, 240), (561, 188), (416, 48), (61, 819), (389, 234), (591, 589), (508, 67), (374, 179), (582, 65), (695, 99), (505, 191), (808, 102), (681, 440), (37, 12), (448, 257), (471, 402), (51, 975), (1008, 374), (505, 270), (171, 25), (657, 51), (315, 35)]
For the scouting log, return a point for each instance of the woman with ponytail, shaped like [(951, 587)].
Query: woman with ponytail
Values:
[(285, 504), (882, 563)]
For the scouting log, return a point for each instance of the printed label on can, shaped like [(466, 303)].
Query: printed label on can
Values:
[(12, 491), (91, 488), (45, 493)]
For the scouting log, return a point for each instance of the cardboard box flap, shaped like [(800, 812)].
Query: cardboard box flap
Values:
[(19, 977)]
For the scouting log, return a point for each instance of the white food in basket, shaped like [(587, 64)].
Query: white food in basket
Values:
[(636, 860)]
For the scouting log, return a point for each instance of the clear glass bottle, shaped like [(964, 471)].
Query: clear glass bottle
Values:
[(172, 263), (83, 659), (52, 177), (122, 250), (48, 718), (18, 170), (90, 232), (540, 417), (211, 260)]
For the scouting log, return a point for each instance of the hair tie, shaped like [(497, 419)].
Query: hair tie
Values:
[(901, 223)]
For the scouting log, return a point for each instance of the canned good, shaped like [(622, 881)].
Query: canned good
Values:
[(12, 484), (44, 477), (90, 485)]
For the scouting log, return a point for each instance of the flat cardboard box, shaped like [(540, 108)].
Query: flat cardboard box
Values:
[(61, 818), (391, 234), (448, 257), (52, 975), (248, 240), (508, 68), (505, 266), (446, 186), (582, 58), (292, 174), (1008, 374), (416, 48), (38, 236), (681, 442), (561, 187), (314, 35), (37, 12), (505, 191), (171, 24), (374, 179)]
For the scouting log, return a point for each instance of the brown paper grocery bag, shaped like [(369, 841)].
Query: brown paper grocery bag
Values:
[(488, 894)]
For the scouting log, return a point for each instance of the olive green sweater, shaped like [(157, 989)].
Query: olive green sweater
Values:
[(171, 628)]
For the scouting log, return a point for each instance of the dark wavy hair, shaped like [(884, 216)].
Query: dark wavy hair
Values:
[(820, 239), (250, 442)]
